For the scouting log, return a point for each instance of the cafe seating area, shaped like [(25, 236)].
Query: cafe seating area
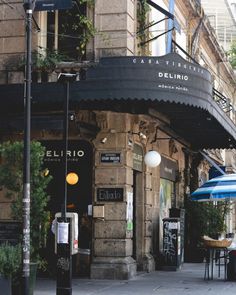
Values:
[(217, 258)]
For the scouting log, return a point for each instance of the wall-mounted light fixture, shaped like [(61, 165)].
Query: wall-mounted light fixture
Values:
[(140, 134), (152, 159), (104, 140)]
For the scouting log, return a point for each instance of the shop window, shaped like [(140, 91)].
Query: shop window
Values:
[(166, 196)]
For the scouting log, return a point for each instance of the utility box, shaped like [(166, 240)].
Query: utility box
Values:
[(98, 211), (171, 243), (180, 213)]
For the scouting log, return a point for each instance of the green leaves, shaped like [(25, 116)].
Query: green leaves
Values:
[(10, 260), (232, 55), (47, 59), (11, 171), (11, 178), (44, 59), (75, 27), (206, 218), (143, 33)]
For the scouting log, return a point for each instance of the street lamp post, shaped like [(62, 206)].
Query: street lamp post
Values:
[(29, 8), (64, 255)]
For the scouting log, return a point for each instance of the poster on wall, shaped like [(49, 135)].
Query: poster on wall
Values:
[(166, 190), (129, 211)]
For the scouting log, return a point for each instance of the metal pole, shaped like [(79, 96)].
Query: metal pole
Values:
[(64, 258), (29, 7), (65, 141)]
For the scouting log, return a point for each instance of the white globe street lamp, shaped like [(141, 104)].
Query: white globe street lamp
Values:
[(152, 159)]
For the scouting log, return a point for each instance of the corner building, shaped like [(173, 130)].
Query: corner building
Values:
[(129, 99)]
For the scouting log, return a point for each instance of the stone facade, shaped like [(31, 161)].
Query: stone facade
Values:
[(113, 243), (116, 22), (127, 238)]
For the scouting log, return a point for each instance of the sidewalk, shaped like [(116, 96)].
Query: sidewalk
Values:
[(188, 281)]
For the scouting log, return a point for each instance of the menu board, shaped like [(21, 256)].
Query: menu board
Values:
[(10, 231)]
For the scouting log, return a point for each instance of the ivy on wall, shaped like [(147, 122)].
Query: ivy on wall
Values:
[(142, 22), (232, 55), (76, 29)]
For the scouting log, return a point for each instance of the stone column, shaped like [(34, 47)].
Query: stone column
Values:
[(115, 21), (113, 245), (112, 236)]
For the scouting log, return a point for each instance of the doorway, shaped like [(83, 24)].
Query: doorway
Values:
[(79, 197)]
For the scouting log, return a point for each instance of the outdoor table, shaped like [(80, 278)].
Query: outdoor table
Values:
[(214, 256)]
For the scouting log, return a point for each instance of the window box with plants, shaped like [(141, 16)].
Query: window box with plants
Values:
[(44, 62)]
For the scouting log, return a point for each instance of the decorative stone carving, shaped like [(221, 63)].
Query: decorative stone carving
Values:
[(172, 147), (102, 121)]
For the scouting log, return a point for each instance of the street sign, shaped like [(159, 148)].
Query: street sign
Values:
[(49, 5)]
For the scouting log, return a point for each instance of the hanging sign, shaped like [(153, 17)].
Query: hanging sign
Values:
[(168, 169), (50, 5), (138, 158)]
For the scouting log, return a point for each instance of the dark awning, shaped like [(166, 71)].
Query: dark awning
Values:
[(179, 89)]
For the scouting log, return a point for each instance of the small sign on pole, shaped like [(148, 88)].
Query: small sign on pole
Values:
[(62, 233), (50, 5)]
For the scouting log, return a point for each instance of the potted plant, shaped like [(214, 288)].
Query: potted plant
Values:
[(10, 265), (11, 177), (44, 62), (203, 219)]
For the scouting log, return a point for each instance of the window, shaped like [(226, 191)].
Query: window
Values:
[(68, 31)]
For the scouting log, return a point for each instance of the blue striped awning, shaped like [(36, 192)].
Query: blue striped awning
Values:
[(218, 188)]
